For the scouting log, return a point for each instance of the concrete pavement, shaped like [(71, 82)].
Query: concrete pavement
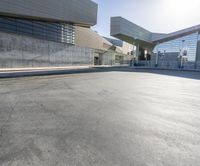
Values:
[(109, 118)]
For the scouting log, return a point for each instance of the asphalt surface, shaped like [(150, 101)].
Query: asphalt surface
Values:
[(111, 118)]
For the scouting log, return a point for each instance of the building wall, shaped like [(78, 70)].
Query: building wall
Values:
[(59, 32), (22, 51), (121, 46), (108, 58), (127, 48), (82, 12), (86, 37)]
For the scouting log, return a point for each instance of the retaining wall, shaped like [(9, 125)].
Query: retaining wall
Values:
[(22, 51)]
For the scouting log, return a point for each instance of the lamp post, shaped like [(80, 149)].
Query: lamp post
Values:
[(181, 54), (157, 55)]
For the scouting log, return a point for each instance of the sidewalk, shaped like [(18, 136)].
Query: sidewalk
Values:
[(22, 72)]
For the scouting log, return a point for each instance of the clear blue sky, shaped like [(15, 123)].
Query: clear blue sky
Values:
[(162, 16)]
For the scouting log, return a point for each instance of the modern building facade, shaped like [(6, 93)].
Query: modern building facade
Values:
[(107, 51), (174, 50), (125, 47), (42, 33)]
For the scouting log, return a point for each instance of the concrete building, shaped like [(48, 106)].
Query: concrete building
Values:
[(107, 51), (38, 33), (125, 47), (179, 49)]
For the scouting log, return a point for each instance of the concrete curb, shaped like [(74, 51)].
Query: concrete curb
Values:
[(75, 70), (28, 73)]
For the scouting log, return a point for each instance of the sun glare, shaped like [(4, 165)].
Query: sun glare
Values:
[(180, 7)]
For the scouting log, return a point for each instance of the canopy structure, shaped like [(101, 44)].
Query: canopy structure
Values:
[(136, 35)]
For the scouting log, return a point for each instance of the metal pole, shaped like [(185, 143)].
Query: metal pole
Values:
[(181, 61), (181, 56), (134, 56), (157, 55)]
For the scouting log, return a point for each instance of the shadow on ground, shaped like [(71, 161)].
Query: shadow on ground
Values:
[(175, 73)]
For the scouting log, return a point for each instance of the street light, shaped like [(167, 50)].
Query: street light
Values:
[(157, 55), (181, 54)]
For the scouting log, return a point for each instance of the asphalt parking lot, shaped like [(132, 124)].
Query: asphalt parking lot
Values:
[(111, 118)]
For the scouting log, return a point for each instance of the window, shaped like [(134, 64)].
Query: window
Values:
[(59, 32), (188, 43)]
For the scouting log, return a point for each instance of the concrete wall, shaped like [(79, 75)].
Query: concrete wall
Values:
[(86, 37), (114, 58), (22, 51), (82, 12), (127, 48), (108, 58)]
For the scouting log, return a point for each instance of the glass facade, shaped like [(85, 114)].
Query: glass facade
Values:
[(199, 37), (59, 32), (188, 43)]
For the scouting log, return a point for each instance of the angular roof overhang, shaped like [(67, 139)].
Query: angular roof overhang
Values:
[(174, 35), (143, 44), (78, 12), (134, 34)]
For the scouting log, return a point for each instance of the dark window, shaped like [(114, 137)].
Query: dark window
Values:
[(8, 25), (44, 30)]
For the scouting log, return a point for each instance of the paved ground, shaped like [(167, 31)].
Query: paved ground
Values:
[(101, 119)]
